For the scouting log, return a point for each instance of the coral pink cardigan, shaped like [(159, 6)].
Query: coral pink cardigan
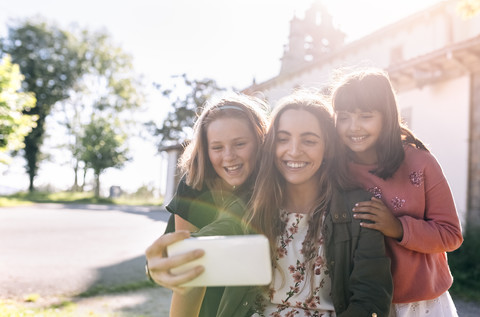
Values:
[(419, 195)]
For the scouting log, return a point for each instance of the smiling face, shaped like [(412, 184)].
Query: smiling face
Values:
[(300, 147), (231, 149), (360, 131)]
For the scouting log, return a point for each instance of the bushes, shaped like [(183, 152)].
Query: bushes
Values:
[(465, 266)]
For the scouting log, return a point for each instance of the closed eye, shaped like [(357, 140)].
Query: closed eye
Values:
[(310, 142), (366, 116)]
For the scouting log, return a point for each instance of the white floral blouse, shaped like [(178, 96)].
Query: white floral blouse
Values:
[(290, 291)]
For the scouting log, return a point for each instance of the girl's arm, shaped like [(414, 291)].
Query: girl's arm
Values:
[(186, 302), (439, 230), (182, 224)]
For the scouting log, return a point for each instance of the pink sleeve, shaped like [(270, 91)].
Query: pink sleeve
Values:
[(440, 230)]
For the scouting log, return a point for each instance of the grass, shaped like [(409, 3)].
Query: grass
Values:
[(9, 308), (30, 307), (26, 198), (101, 290)]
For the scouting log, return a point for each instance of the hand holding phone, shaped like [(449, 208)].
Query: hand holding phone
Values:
[(228, 260)]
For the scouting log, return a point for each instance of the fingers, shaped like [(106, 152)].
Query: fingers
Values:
[(173, 281), (160, 245), (374, 214), (371, 212), (373, 203), (160, 265)]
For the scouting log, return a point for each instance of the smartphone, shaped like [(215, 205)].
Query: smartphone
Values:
[(228, 260)]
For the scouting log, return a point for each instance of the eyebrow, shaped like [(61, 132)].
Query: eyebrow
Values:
[(242, 138), (303, 134)]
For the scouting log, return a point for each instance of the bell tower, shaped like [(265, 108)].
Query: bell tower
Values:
[(310, 38)]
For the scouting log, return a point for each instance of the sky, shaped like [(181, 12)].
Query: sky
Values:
[(230, 41)]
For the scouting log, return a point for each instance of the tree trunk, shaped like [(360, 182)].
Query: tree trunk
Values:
[(75, 187), (97, 185), (33, 141)]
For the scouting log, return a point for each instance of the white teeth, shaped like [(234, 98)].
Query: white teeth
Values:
[(233, 168), (296, 164), (357, 138)]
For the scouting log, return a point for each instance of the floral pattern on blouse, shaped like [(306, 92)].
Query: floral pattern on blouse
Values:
[(397, 203), (376, 192), (290, 293), (416, 178)]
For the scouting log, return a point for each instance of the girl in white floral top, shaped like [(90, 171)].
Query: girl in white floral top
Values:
[(292, 296)]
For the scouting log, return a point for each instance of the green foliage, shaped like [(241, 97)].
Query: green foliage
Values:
[(14, 124), (103, 146), (145, 192), (186, 97), (57, 65), (50, 64), (144, 195), (465, 266)]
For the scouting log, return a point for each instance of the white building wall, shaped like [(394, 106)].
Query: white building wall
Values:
[(439, 117), (172, 158)]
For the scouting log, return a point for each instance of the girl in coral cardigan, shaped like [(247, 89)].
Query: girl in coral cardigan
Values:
[(412, 204)]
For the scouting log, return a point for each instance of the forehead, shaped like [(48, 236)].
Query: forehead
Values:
[(298, 121), (228, 128)]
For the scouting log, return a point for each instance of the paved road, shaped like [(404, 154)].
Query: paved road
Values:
[(54, 249)]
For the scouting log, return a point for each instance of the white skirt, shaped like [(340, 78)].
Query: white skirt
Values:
[(442, 306)]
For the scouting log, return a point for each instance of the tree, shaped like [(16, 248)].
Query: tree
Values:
[(103, 146), (186, 97), (14, 124), (50, 62), (108, 87)]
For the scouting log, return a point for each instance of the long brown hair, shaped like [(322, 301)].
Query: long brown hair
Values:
[(194, 162), (370, 89), (269, 193)]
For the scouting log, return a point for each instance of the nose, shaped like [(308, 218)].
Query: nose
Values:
[(230, 153), (294, 148), (354, 124)]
